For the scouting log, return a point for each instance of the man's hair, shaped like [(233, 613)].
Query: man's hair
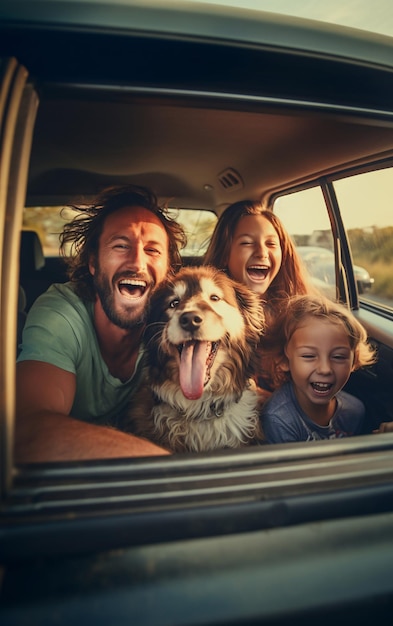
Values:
[(291, 278), (79, 240)]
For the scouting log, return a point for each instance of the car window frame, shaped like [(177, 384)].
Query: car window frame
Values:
[(346, 289), (266, 489)]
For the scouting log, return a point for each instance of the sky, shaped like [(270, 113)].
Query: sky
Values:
[(372, 15)]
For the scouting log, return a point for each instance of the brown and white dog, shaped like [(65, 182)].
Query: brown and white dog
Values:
[(201, 337)]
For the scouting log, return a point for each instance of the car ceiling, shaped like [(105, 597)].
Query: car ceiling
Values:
[(181, 148)]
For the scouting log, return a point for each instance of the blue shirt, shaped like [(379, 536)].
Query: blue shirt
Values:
[(284, 421), (59, 330)]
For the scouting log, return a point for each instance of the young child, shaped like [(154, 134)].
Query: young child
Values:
[(315, 344)]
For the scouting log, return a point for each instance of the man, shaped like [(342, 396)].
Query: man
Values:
[(81, 353)]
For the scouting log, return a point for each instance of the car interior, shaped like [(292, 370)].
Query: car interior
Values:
[(201, 141), (204, 120), (197, 154)]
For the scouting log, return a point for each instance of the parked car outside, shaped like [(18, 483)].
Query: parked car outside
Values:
[(320, 263)]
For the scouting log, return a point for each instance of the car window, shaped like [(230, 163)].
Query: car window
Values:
[(365, 206), (199, 226), (48, 222), (304, 215)]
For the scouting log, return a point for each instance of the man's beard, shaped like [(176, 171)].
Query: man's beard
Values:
[(124, 320)]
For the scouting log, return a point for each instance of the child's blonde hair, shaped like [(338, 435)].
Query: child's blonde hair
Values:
[(297, 309)]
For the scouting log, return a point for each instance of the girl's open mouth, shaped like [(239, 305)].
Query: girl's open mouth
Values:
[(258, 272)]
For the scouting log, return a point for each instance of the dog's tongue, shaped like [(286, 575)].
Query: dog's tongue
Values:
[(193, 368)]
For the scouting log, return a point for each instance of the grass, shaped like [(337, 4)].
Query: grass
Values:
[(382, 274)]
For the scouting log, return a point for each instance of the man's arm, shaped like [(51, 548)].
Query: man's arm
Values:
[(44, 430)]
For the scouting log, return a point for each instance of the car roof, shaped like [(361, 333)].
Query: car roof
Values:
[(204, 104), (209, 20)]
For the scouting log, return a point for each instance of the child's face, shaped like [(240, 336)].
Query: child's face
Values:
[(320, 360), (255, 256)]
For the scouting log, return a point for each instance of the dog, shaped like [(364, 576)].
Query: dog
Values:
[(201, 340)]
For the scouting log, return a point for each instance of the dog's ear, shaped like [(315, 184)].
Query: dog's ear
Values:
[(251, 308)]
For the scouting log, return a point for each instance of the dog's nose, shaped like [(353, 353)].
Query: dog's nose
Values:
[(190, 320)]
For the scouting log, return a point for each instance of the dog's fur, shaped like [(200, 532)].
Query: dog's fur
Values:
[(200, 318)]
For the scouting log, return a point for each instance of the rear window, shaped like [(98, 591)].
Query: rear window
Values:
[(48, 222)]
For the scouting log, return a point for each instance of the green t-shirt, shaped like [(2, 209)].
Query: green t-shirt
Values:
[(59, 330)]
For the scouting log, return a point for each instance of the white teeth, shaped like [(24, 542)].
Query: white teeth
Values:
[(132, 282)]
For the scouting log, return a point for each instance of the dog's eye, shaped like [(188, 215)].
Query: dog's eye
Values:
[(215, 298), (174, 303)]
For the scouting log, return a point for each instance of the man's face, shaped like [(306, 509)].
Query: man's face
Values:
[(133, 257)]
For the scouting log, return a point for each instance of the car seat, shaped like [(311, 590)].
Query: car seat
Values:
[(32, 261)]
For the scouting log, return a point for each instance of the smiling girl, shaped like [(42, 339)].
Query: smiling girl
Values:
[(252, 246), (315, 345)]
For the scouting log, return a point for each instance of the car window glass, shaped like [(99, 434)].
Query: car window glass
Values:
[(199, 226), (48, 222), (304, 215), (365, 205)]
